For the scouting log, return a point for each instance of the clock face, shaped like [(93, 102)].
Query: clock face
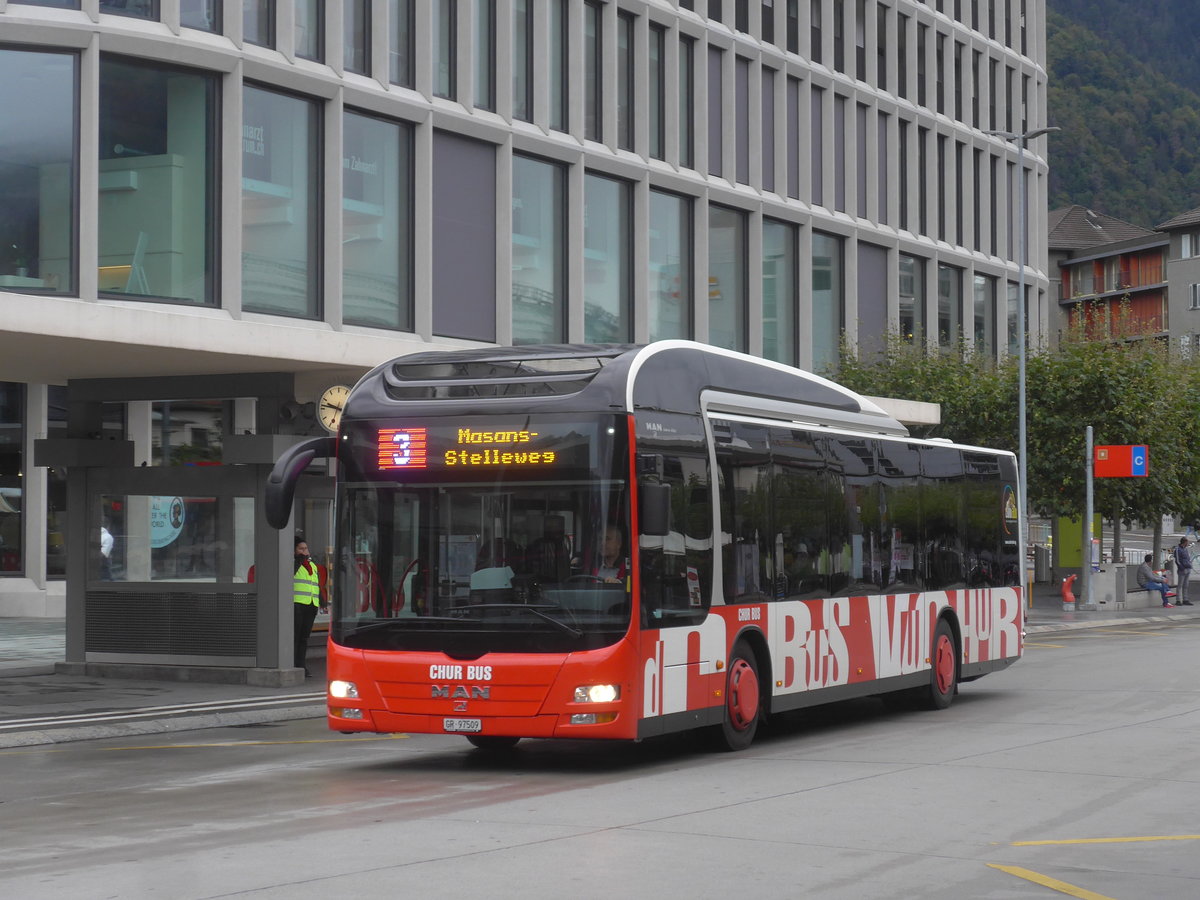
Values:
[(329, 409)]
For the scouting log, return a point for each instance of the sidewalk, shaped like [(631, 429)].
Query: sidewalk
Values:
[(41, 706)]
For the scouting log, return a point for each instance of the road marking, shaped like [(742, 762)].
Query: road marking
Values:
[(1112, 840), (332, 740), (145, 712), (1053, 883), (1042, 644)]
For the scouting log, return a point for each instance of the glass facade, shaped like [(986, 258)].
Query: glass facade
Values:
[(539, 267), (559, 63), (985, 316), (593, 56), (157, 132), (376, 222), (485, 54), (400, 42), (204, 15), (39, 172), (779, 295), (258, 22), (356, 36), (912, 298), (445, 49), (726, 277), (949, 307), (669, 270), (310, 29), (828, 300), (141, 9), (523, 59), (607, 264), (280, 204)]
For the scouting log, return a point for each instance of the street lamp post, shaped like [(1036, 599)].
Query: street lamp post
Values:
[(1022, 139)]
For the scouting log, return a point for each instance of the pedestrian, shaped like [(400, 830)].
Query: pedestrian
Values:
[(306, 599), (1183, 568), (1152, 581)]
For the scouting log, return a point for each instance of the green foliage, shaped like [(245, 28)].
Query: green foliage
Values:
[(1129, 391), (1130, 135)]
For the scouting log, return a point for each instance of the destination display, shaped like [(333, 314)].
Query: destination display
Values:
[(483, 445)]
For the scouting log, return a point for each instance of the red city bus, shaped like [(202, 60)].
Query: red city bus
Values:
[(603, 541)]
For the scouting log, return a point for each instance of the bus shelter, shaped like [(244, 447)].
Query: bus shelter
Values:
[(172, 571)]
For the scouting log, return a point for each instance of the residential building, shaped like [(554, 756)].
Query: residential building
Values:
[(215, 210)]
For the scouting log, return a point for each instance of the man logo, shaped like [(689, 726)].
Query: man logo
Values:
[(460, 692)]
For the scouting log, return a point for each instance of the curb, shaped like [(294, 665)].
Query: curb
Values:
[(1035, 627)]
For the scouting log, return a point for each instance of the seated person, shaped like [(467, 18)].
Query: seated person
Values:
[(1147, 578), (549, 558), (609, 566)]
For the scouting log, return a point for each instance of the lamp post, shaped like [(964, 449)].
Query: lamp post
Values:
[(1022, 138)]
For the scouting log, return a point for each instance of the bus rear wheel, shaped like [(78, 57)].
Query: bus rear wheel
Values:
[(743, 700), (492, 742), (943, 672)]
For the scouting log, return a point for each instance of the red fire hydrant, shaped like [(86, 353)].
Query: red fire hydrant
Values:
[(1067, 595)]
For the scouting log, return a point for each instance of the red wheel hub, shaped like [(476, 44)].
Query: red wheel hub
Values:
[(943, 664), (742, 698)]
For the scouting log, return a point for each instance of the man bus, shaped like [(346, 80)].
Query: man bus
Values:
[(786, 544)]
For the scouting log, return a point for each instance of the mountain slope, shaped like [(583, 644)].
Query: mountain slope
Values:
[(1130, 139)]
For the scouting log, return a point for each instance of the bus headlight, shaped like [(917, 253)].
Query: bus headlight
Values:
[(597, 693), (343, 690)]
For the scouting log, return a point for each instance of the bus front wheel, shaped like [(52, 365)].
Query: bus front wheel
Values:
[(743, 699)]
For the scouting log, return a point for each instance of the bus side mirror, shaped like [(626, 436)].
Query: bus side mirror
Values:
[(281, 483), (654, 508)]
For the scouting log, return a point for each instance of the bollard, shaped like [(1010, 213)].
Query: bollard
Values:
[(1067, 596)]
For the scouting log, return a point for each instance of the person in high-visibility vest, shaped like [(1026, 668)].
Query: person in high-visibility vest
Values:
[(306, 597)]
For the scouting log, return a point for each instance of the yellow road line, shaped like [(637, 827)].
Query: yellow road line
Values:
[(1053, 883), (1112, 840), (1041, 644)]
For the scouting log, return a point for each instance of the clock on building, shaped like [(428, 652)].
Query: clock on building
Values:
[(329, 408)]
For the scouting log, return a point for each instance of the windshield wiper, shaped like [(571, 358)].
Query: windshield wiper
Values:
[(536, 610), (388, 623)]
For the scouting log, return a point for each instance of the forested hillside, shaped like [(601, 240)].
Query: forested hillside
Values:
[(1124, 86)]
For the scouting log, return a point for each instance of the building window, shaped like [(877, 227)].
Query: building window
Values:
[(767, 101), (881, 45), (793, 26), (377, 227), (400, 43), (657, 124), (949, 307), (912, 299), (814, 31), (839, 35), (1013, 346), (1195, 297), (356, 36), (839, 153), (1189, 244), (726, 278), (141, 9), (203, 15), (559, 65), (817, 139), (902, 55), (445, 49), (767, 21), (716, 109), (539, 268), (779, 295), (258, 22), (741, 112), (625, 104), (593, 60), (485, 55), (607, 260), (310, 30), (985, 316), (281, 204), (922, 38), (793, 137), (669, 268), (883, 168), (157, 133), (12, 480), (39, 172), (522, 63), (828, 300), (860, 40), (687, 107)]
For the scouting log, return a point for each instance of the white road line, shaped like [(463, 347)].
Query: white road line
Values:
[(144, 712)]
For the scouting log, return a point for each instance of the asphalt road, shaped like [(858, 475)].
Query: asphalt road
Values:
[(1072, 773)]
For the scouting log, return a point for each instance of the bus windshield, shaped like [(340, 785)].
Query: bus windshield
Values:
[(468, 536)]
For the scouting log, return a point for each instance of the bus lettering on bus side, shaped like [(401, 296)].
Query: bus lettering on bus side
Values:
[(900, 625), (814, 649)]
